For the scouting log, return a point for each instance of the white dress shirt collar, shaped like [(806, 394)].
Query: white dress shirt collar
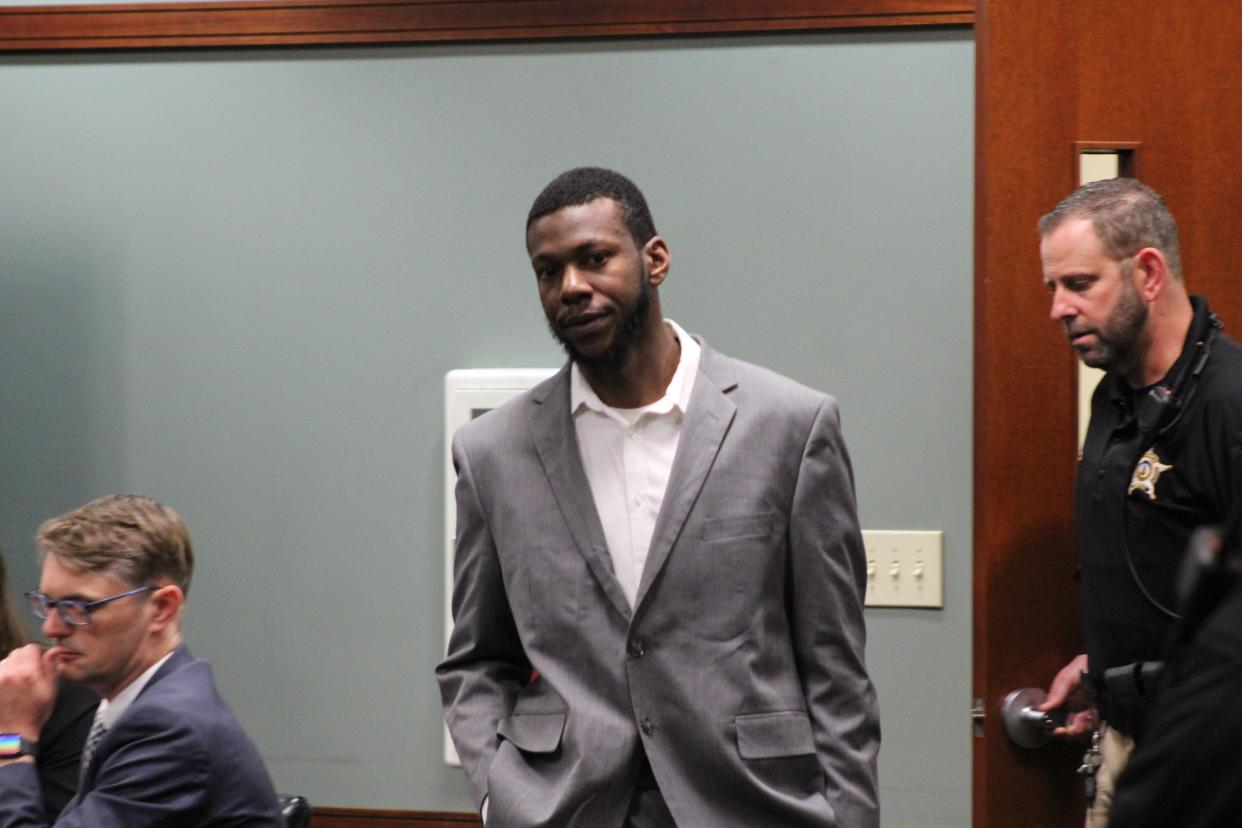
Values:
[(676, 395)]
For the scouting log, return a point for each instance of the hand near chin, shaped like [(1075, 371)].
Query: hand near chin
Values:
[(27, 690)]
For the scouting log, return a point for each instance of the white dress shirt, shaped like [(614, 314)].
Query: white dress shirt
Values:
[(628, 455)]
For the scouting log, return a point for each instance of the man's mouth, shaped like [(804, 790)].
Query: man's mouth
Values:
[(1078, 338), (583, 322), (62, 654)]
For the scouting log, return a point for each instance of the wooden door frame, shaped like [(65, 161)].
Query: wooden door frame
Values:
[(175, 25)]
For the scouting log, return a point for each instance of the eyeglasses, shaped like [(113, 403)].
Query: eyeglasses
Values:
[(73, 612)]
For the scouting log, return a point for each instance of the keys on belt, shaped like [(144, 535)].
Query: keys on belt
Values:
[(1091, 766)]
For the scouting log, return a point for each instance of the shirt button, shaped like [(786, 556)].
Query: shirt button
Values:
[(631, 434), (647, 727), (638, 501), (636, 649)]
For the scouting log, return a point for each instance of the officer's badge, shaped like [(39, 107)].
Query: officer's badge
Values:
[(1146, 473)]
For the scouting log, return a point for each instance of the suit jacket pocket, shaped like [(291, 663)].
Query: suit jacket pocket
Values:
[(533, 732), (738, 526), (773, 735)]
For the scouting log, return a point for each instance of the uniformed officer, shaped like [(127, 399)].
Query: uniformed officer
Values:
[(1161, 453)]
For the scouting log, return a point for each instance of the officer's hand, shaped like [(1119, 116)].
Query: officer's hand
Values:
[(1066, 691)]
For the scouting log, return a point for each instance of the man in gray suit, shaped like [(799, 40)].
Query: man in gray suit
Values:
[(659, 573)]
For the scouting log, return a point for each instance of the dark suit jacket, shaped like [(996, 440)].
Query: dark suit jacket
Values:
[(177, 756), (60, 744), (739, 672)]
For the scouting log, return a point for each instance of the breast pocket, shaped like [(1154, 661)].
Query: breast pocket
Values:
[(737, 527), (738, 573)]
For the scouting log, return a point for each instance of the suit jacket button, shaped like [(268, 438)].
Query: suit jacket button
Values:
[(635, 649), (647, 727)]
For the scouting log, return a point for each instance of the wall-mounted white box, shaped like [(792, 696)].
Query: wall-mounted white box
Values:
[(469, 393)]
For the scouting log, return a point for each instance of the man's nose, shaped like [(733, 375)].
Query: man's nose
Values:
[(1062, 308), (54, 626), (574, 285)]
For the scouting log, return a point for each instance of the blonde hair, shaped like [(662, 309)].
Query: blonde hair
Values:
[(130, 537)]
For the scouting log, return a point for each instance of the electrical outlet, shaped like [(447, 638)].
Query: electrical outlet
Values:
[(904, 569)]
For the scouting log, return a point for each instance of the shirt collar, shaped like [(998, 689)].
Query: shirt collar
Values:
[(676, 395), (1201, 328), (110, 711)]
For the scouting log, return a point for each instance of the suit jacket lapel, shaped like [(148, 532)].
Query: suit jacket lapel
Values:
[(707, 422), (176, 660), (557, 443)]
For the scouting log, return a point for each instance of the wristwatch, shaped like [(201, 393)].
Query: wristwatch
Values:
[(14, 745)]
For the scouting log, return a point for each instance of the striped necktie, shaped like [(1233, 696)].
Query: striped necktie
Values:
[(98, 730)]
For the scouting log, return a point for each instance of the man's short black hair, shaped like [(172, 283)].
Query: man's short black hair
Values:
[(585, 184)]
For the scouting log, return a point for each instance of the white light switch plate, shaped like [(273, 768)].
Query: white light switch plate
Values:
[(904, 569)]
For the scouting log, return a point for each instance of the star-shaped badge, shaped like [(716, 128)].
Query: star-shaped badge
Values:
[(1146, 473)]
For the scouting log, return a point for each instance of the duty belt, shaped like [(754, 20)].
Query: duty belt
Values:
[(1127, 692)]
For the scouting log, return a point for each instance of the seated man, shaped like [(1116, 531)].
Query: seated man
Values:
[(164, 748)]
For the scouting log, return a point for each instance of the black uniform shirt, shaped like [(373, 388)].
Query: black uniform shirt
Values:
[(1138, 499)]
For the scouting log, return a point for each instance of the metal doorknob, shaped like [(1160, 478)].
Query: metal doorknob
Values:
[(1026, 726)]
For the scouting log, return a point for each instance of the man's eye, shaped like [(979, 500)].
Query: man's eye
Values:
[(543, 274), (598, 258)]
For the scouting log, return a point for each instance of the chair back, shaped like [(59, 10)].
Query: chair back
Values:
[(295, 810)]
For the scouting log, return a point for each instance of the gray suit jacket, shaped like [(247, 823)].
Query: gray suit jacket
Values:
[(740, 670)]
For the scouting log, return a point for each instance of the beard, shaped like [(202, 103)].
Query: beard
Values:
[(631, 326), (1120, 333)]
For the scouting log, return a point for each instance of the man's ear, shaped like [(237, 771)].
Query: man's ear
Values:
[(1151, 271), (167, 602), (656, 255)]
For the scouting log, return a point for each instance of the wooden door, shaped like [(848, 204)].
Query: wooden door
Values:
[(1051, 73)]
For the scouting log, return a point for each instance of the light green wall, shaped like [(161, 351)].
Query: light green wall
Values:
[(234, 280)]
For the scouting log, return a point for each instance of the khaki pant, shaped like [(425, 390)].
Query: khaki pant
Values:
[(1115, 750)]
